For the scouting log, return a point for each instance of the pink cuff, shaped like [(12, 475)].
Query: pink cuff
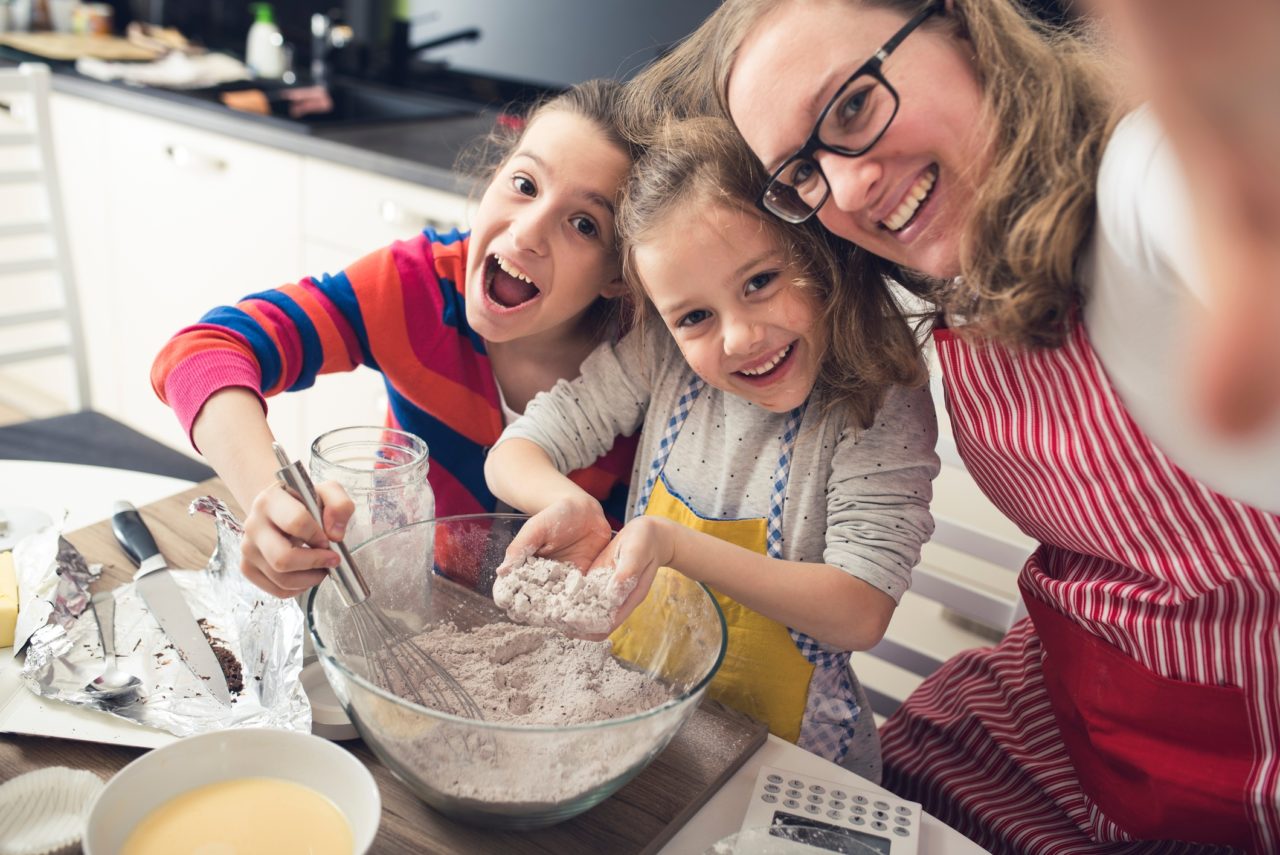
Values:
[(195, 379)]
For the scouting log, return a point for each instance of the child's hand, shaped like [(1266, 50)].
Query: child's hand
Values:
[(644, 544), (573, 530), (285, 550)]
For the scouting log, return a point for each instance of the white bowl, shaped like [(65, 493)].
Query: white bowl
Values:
[(160, 775)]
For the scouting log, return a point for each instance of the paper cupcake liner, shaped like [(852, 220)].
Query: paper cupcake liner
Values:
[(44, 812)]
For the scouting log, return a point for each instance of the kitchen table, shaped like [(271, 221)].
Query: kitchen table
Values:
[(87, 493)]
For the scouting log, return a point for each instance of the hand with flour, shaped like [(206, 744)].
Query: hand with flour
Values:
[(644, 544), (571, 529), (549, 593), (543, 579)]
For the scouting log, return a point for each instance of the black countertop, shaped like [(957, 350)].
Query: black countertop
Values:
[(423, 152)]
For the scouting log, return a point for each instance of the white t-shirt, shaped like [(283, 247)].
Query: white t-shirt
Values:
[(1143, 285)]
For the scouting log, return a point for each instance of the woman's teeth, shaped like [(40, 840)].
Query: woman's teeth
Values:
[(914, 198), (511, 271), (768, 366)]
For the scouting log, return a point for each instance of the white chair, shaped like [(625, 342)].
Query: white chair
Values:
[(39, 312), (963, 594)]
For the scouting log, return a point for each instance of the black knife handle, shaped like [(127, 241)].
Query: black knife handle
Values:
[(133, 533)]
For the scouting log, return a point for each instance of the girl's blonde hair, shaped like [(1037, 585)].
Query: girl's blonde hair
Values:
[(1051, 108), (699, 162), (599, 102)]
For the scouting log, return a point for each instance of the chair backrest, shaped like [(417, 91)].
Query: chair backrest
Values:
[(39, 312), (963, 594)]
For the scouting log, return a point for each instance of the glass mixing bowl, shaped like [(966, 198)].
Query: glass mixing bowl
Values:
[(502, 775)]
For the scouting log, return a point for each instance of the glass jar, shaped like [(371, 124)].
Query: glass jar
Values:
[(383, 470)]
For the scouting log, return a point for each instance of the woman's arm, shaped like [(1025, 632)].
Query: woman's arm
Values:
[(1212, 71)]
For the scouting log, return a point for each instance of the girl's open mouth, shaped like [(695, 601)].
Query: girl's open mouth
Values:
[(768, 369), (507, 286)]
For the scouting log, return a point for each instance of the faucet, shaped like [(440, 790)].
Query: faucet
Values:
[(401, 51), (326, 34)]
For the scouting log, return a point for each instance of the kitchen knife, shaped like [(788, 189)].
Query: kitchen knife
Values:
[(164, 599)]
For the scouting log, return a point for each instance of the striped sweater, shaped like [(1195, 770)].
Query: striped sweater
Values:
[(401, 312)]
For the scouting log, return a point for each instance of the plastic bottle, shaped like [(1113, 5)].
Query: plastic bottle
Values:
[(264, 53)]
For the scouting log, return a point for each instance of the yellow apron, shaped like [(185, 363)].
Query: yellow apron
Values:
[(763, 674), (801, 689)]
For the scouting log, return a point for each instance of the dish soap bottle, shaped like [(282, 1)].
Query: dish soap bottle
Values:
[(264, 53)]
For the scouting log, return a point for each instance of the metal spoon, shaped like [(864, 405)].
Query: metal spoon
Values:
[(112, 683)]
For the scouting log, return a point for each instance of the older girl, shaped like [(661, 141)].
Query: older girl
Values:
[(977, 158), (465, 329), (781, 462)]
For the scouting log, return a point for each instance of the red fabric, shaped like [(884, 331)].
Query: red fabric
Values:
[(1163, 758), (1163, 583)]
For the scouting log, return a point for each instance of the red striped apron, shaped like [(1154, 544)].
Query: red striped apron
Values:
[(1140, 703)]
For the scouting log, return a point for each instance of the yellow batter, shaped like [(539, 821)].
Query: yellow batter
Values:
[(244, 816)]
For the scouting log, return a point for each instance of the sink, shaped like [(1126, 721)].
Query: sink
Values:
[(340, 103)]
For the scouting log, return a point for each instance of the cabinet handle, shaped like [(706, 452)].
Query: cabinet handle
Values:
[(187, 158), (395, 214)]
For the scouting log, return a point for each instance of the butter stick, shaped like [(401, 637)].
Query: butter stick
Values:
[(8, 599)]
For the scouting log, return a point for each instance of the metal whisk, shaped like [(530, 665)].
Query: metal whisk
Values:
[(397, 663)]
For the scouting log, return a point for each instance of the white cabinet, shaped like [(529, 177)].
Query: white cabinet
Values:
[(168, 221), (79, 128), (196, 220), (345, 214), (356, 211)]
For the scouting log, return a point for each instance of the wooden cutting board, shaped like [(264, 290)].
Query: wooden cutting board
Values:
[(71, 46), (639, 818)]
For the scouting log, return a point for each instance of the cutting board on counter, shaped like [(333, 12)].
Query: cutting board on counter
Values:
[(637, 820), (67, 47)]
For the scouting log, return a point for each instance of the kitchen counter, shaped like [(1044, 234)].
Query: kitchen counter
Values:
[(88, 491), (423, 152)]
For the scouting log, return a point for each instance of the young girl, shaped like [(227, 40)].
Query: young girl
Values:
[(781, 463), (465, 329), (1072, 258)]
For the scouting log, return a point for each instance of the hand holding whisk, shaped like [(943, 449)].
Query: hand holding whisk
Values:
[(397, 663)]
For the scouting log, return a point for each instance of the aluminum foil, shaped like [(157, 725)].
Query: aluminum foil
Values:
[(263, 633)]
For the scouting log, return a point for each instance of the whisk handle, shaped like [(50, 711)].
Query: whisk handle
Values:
[(351, 584)]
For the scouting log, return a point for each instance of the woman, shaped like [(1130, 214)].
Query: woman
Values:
[(979, 161)]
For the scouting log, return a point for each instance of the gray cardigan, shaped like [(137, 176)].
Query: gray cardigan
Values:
[(857, 500)]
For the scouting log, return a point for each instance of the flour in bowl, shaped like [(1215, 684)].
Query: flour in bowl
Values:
[(523, 676), (535, 675)]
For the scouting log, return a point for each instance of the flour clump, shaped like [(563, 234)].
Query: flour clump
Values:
[(544, 592)]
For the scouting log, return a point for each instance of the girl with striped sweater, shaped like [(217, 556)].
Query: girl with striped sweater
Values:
[(464, 328)]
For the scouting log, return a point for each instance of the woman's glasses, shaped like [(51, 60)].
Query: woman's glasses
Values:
[(852, 122)]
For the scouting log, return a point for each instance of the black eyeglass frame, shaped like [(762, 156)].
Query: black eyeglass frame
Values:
[(870, 68)]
